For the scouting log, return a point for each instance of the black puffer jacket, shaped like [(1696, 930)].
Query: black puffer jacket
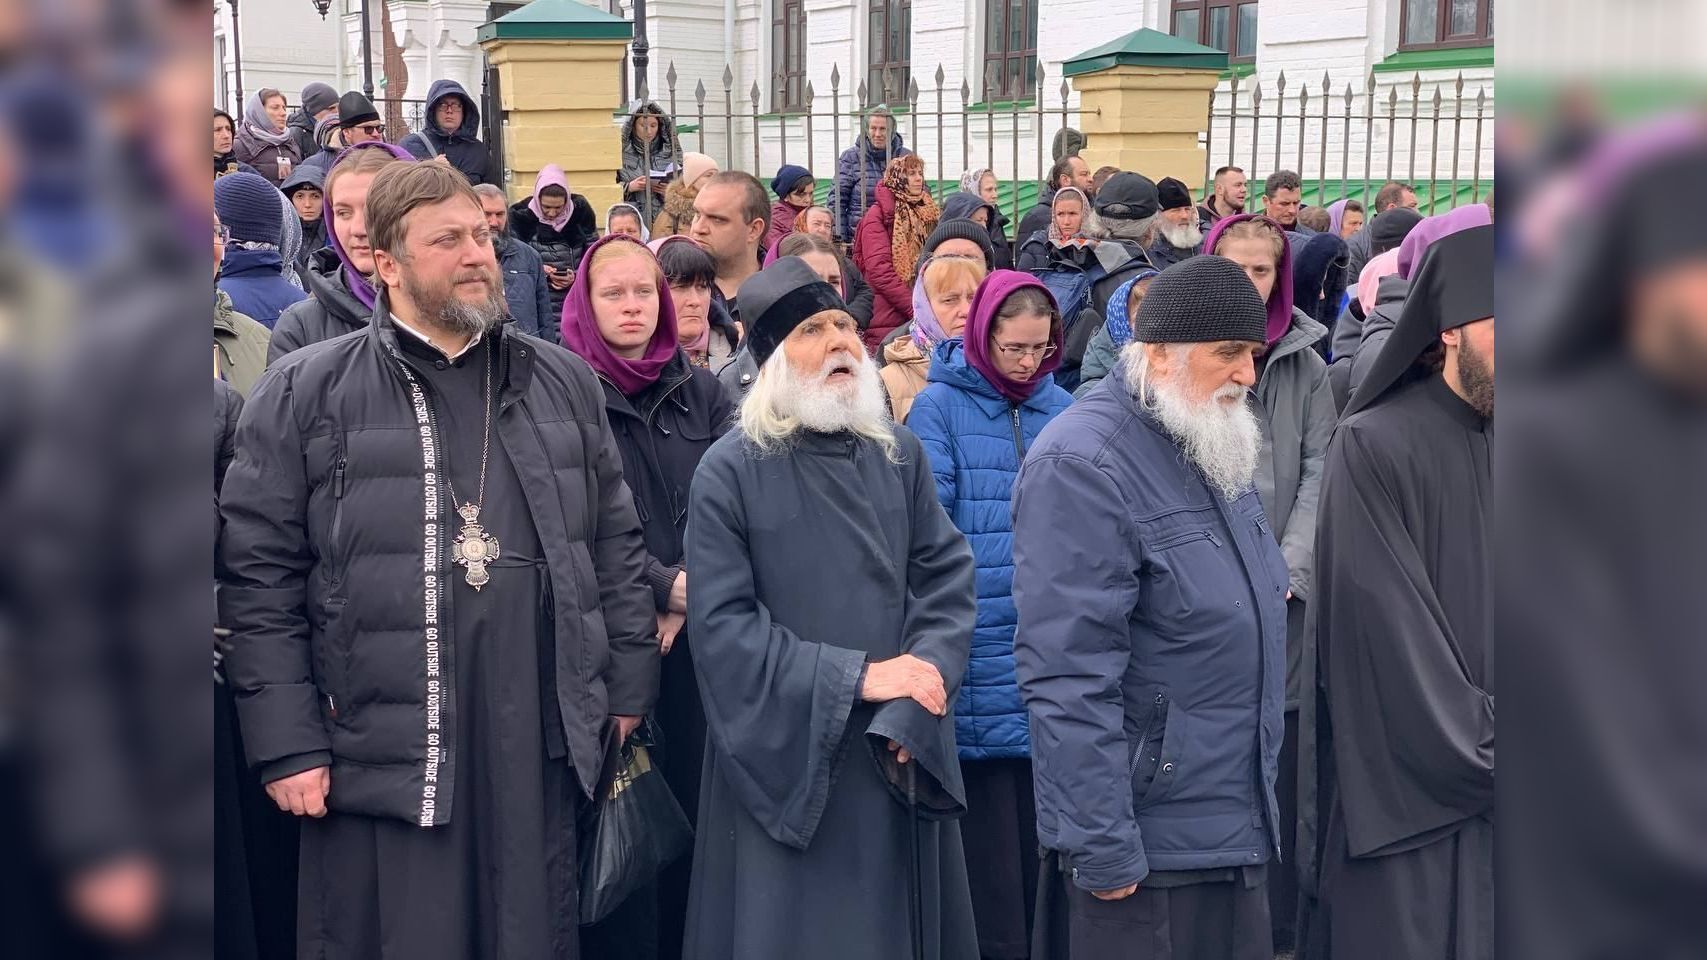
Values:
[(329, 457), (331, 310), (557, 248)]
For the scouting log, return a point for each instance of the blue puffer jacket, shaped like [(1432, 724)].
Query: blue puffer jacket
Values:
[(973, 437), (254, 280), (858, 172)]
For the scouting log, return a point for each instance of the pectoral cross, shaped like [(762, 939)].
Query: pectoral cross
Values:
[(474, 547)]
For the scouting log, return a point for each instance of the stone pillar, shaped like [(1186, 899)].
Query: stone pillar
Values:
[(1145, 98), (559, 66)]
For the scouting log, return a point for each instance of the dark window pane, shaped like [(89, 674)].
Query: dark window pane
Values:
[(1218, 21), (1247, 42), (1030, 76), (1186, 24), (1490, 18), (996, 29), (1016, 25), (875, 54), (1422, 21), (1031, 27)]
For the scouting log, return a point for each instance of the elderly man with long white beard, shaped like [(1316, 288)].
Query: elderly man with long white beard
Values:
[(831, 625), (1151, 647)]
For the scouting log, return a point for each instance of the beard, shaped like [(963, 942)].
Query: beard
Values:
[(1219, 436), (855, 405), (439, 305), (1185, 236), (1476, 378)]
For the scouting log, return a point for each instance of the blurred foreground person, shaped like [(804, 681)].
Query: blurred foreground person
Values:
[(1156, 708), (1404, 616), (831, 615), (434, 578)]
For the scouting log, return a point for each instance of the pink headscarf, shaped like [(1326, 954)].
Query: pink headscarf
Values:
[(581, 330), (701, 343), (1369, 281), (1280, 298), (552, 175)]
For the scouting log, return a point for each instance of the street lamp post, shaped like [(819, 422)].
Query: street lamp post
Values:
[(322, 6), (236, 56), (641, 59)]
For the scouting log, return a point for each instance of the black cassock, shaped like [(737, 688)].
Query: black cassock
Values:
[(1404, 612), (807, 563), (499, 879)]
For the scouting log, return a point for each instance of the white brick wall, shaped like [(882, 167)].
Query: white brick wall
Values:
[(284, 45)]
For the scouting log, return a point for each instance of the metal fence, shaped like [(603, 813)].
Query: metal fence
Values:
[(1359, 139), (941, 125)]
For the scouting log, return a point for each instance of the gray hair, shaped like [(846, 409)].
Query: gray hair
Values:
[(771, 431), (1141, 232), (491, 190)]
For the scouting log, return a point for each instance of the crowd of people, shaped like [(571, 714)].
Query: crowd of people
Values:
[(1133, 603)]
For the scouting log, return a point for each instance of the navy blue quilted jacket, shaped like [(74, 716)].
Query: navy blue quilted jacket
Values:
[(974, 438)]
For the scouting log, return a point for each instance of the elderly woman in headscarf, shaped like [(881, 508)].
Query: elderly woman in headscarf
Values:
[(625, 218), (982, 182), (264, 142), (1066, 230), (942, 300), (887, 244)]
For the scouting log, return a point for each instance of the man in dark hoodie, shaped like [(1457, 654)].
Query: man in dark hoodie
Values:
[(452, 132), (860, 168), (970, 206), (319, 101)]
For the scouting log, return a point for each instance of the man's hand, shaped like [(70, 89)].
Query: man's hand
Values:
[(119, 900), (303, 794), (624, 727), (669, 626), (679, 593), (900, 752), (1120, 894), (906, 676)]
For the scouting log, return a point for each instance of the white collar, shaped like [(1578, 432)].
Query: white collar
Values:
[(399, 324)]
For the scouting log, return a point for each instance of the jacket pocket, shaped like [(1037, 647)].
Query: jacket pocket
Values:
[(1156, 764), (332, 660)]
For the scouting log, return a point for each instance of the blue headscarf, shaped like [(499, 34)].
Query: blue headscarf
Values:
[(1119, 324)]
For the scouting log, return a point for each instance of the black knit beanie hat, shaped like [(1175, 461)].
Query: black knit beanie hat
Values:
[(961, 229), (1201, 300)]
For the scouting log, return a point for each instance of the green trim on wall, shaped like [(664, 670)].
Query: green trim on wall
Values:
[(556, 20), (1002, 106), (1456, 58)]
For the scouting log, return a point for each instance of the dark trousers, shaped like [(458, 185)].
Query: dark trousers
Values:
[(1226, 920), (1283, 879)]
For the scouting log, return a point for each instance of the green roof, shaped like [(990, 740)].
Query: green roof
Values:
[(557, 20), (1146, 48)]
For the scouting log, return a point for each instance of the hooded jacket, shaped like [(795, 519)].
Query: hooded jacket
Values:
[(961, 205), (254, 279), (313, 232), (976, 440), (461, 145), (330, 310), (561, 249), (241, 345), (1150, 650), (874, 256), (639, 160), (323, 549), (859, 170), (677, 216), (301, 125)]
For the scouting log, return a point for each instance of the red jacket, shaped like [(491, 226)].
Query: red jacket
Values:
[(872, 254)]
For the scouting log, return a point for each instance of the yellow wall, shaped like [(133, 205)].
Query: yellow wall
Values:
[(559, 96), (1146, 118)]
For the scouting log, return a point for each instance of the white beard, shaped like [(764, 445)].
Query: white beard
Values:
[(855, 406), (1221, 436), (1184, 236)]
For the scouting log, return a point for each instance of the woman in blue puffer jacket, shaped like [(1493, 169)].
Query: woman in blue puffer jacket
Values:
[(989, 395)]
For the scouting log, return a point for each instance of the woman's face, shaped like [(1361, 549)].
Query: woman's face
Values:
[(625, 304), (349, 218), (276, 112), (987, 187), (1350, 222), (221, 136), (802, 194), (1017, 345), (826, 266), (952, 305), (916, 182), (645, 127), (1069, 215), (818, 223), (693, 309), (981, 216), (1256, 256), (626, 224)]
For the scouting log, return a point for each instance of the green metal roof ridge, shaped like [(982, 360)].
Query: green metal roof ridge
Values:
[(1448, 59), (1146, 48), (557, 20)]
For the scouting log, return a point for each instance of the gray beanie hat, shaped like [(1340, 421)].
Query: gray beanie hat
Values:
[(1202, 299), (318, 96)]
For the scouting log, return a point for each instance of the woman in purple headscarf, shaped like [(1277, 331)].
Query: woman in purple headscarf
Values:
[(665, 413)]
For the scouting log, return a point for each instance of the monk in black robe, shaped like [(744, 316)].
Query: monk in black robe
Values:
[(832, 623), (1404, 625)]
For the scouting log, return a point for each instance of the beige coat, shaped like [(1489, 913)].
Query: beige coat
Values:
[(905, 372)]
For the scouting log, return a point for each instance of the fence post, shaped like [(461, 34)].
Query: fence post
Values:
[(940, 79), (836, 211), (1416, 109), (1345, 156), (1434, 149), (1476, 165), (913, 111), (1256, 135), (1369, 135), (699, 101), (1303, 122), (729, 116), (966, 124), (782, 117), (808, 122), (1457, 135), (754, 94), (857, 202), (1392, 126), (1279, 118), (1327, 99)]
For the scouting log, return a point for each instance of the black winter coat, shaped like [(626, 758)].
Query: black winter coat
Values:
[(557, 248), (462, 145), (1035, 219), (323, 550), (331, 310)]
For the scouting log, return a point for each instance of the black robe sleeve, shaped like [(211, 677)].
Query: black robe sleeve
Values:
[(1413, 736), (776, 705), (941, 609)]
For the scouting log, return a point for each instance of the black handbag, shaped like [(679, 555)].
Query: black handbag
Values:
[(632, 829)]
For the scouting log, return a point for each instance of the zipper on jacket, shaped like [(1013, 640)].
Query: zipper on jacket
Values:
[(1019, 443), (1144, 733), (334, 555)]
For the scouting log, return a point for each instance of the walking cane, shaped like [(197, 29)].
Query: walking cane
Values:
[(915, 880)]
